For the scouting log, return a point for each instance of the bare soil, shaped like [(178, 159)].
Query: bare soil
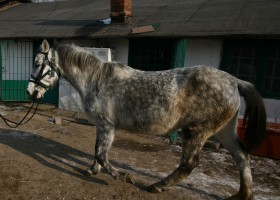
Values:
[(43, 160)]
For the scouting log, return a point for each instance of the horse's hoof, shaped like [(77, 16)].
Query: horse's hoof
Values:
[(127, 177), (238, 196), (88, 172), (153, 189)]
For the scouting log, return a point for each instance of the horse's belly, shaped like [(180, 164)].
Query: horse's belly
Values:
[(153, 129), (146, 125)]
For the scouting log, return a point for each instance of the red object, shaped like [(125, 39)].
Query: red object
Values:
[(270, 147)]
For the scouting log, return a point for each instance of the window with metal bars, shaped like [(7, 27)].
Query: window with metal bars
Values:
[(16, 61), (256, 61), (152, 54)]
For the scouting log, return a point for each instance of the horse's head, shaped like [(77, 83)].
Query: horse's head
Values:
[(45, 72)]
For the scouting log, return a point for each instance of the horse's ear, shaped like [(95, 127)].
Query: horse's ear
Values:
[(45, 46)]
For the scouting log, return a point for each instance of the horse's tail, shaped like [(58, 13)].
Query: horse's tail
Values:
[(254, 117)]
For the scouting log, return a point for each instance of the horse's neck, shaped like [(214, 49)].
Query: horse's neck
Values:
[(75, 77), (77, 80), (88, 80)]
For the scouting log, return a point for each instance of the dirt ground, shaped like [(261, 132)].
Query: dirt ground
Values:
[(43, 160)]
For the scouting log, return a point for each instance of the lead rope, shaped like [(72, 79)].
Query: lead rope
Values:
[(9, 122)]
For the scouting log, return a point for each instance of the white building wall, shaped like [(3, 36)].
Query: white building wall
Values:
[(121, 47), (273, 110), (272, 107), (208, 52), (203, 52)]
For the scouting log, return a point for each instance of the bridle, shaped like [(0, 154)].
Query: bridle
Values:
[(41, 75), (37, 80)]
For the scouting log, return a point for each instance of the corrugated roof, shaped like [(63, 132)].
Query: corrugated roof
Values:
[(180, 18)]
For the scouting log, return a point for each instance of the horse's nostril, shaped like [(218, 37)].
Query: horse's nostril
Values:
[(28, 92)]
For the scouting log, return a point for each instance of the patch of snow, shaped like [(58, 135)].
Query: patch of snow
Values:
[(2, 110), (217, 156), (68, 162), (51, 145)]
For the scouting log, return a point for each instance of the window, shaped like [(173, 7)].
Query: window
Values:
[(156, 54), (272, 76), (16, 61), (256, 61)]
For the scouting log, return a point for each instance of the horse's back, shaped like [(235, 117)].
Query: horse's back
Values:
[(146, 102)]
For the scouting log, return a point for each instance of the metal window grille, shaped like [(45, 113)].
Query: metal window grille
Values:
[(257, 61), (244, 61), (272, 78), (16, 58)]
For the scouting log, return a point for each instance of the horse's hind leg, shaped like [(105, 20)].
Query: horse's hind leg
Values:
[(192, 144), (228, 137)]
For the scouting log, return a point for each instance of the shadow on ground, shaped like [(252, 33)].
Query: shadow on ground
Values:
[(43, 149), (61, 157)]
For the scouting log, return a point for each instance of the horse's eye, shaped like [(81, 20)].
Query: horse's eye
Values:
[(36, 65)]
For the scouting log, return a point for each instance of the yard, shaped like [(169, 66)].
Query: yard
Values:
[(43, 160)]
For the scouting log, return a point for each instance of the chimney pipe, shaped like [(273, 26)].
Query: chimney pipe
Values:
[(121, 10)]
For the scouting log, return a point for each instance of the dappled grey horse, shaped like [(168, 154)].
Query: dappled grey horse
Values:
[(202, 101)]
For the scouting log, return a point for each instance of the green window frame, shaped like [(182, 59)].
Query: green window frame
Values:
[(256, 61)]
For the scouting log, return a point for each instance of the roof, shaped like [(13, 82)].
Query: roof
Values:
[(180, 18)]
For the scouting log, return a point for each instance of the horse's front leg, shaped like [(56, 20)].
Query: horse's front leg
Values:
[(104, 137), (94, 169)]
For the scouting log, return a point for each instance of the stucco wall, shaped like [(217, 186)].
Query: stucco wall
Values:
[(272, 107), (121, 47), (203, 52)]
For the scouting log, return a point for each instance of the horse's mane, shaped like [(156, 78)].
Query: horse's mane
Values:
[(73, 56)]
